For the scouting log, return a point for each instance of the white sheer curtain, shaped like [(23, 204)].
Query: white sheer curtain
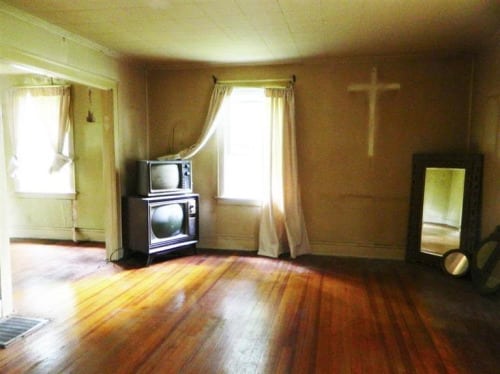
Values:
[(282, 225), (17, 100), (61, 159), (219, 93)]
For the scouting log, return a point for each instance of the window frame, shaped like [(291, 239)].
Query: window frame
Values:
[(222, 128)]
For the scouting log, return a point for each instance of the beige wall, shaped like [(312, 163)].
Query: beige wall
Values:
[(486, 131), (353, 204)]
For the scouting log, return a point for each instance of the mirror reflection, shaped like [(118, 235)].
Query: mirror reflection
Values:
[(442, 210)]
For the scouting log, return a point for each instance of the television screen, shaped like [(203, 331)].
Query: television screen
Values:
[(167, 221), (164, 176)]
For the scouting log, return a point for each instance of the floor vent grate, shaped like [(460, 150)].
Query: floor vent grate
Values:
[(16, 327)]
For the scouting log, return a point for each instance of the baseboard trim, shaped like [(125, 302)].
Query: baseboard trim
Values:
[(58, 233), (93, 235), (361, 250), (229, 242), (320, 248)]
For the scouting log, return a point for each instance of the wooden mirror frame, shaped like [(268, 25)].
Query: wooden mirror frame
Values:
[(471, 209)]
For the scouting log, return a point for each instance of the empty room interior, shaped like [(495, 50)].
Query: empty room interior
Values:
[(250, 186)]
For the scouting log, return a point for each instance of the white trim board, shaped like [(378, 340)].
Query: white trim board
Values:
[(62, 233), (359, 250), (319, 248)]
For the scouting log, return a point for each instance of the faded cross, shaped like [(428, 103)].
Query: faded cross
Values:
[(372, 90)]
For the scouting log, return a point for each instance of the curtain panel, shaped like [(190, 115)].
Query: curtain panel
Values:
[(60, 159), (282, 226), (16, 98)]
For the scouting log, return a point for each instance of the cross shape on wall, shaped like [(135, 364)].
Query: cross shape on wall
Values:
[(372, 90)]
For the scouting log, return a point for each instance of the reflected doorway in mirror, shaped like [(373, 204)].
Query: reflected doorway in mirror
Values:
[(442, 210)]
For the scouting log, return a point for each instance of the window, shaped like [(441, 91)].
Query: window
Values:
[(39, 144), (243, 145)]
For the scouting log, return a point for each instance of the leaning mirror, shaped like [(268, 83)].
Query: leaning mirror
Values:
[(444, 206)]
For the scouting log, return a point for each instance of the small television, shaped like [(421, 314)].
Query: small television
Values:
[(154, 225), (163, 177)]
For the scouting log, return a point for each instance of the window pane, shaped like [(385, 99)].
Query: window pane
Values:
[(245, 137)]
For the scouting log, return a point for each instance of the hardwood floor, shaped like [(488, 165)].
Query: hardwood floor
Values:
[(221, 312)]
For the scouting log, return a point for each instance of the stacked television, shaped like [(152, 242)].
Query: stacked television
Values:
[(163, 216)]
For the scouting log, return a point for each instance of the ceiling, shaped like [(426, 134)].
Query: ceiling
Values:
[(270, 31)]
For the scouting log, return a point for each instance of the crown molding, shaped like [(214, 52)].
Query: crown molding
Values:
[(38, 22)]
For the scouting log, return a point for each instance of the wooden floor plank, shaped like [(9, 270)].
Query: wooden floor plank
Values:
[(227, 312)]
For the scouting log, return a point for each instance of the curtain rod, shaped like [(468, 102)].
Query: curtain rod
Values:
[(293, 79)]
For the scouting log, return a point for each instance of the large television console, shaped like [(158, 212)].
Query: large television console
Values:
[(160, 224)]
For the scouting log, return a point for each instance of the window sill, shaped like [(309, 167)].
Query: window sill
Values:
[(46, 195), (238, 201)]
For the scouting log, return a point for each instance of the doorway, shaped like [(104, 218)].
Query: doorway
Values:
[(40, 210), (110, 233)]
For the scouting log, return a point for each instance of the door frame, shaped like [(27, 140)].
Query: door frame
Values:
[(112, 222)]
